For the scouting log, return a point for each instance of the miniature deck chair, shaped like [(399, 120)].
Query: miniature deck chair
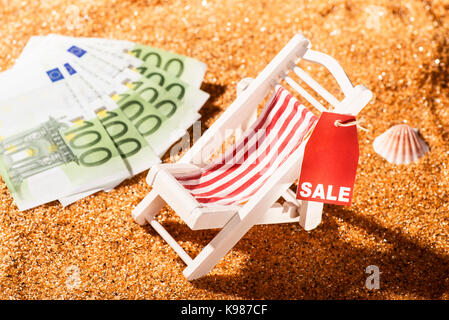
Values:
[(241, 188)]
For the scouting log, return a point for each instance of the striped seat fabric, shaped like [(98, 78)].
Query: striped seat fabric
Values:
[(264, 147)]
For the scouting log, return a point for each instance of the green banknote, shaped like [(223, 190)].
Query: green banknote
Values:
[(185, 68), (155, 88), (183, 91), (158, 122), (103, 65), (177, 95), (160, 117), (80, 134), (147, 88), (134, 149), (48, 149), (137, 154), (191, 95)]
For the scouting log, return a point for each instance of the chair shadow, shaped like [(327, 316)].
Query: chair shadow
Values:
[(322, 264), (211, 108), (438, 77)]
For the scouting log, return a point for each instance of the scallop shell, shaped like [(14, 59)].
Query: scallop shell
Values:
[(400, 144)]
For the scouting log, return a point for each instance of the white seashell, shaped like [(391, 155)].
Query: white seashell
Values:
[(400, 144)]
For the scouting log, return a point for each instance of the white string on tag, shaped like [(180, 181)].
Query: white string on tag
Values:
[(338, 123)]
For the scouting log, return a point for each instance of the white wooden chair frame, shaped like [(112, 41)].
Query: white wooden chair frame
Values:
[(262, 208)]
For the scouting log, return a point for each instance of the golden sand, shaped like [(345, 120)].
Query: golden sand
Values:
[(399, 217)]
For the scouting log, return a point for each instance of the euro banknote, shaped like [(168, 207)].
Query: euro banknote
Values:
[(127, 102), (50, 147)]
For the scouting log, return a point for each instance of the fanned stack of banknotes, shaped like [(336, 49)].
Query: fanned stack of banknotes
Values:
[(80, 115)]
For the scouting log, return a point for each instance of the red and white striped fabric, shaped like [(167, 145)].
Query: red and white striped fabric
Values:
[(242, 170)]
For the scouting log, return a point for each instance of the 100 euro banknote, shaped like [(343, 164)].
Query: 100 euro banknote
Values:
[(158, 115), (108, 61), (152, 120), (49, 149), (135, 151), (148, 90), (190, 97), (187, 69)]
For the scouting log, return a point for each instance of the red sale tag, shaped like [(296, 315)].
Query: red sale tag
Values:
[(330, 160)]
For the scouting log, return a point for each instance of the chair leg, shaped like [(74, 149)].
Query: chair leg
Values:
[(232, 232), (225, 240), (310, 215), (148, 207)]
